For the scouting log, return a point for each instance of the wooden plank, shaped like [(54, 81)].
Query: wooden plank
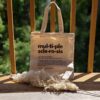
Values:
[(76, 74), (92, 35), (32, 15), (11, 35), (73, 16), (97, 80), (85, 77), (52, 17), (5, 79)]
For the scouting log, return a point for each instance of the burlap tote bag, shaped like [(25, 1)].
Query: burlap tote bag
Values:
[(53, 52)]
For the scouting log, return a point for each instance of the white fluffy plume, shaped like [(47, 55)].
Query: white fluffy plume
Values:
[(43, 79)]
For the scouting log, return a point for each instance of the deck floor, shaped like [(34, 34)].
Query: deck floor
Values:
[(94, 95), (89, 82)]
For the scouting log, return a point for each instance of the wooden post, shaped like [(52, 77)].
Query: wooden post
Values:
[(92, 35), (32, 15), (11, 35), (73, 16), (52, 18)]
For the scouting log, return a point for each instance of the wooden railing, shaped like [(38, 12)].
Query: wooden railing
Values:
[(11, 35), (52, 22)]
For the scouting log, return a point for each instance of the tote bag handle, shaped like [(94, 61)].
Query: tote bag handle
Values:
[(45, 18)]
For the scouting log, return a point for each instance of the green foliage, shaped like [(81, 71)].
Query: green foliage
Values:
[(5, 66), (22, 54), (22, 47), (22, 32)]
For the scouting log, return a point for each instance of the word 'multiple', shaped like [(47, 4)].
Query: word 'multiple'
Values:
[(50, 48)]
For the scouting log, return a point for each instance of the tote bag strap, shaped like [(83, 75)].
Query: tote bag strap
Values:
[(45, 18)]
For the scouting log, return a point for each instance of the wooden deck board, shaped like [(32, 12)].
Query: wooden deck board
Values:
[(85, 81)]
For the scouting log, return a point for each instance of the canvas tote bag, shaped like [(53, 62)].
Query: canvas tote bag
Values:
[(53, 52)]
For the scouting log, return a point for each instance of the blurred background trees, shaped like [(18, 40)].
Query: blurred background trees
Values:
[(22, 32)]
